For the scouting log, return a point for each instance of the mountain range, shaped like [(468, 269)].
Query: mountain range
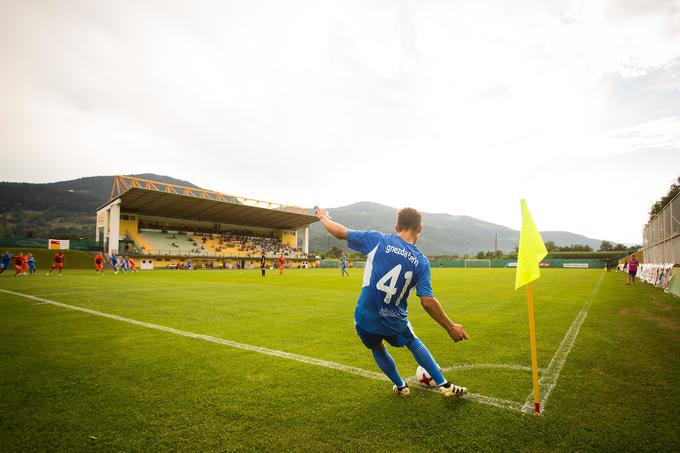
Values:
[(443, 234), (66, 209)]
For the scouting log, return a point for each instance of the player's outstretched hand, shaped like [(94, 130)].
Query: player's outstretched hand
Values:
[(321, 212), (457, 333)]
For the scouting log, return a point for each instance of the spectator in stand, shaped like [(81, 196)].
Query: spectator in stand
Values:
[(632, 270)]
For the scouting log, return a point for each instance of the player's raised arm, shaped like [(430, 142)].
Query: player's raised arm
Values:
[(334, 228), (436, 312)]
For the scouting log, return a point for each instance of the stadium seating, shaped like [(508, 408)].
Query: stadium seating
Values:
[(139, 241), (234, 244), (159, 243)]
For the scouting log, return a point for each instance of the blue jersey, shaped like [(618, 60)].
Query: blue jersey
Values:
[(114, 260), (31, 262), (393, 268), (6, 259), (344, 261)]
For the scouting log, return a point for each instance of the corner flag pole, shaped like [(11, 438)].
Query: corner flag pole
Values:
[(532, 339), (530, 252)]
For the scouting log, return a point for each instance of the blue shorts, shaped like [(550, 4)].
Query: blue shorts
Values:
[(373, 340)]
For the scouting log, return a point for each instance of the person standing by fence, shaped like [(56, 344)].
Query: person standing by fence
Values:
[(632, 270)]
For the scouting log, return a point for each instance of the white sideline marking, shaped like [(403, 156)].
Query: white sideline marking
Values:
[(95, 291), (512, 405), (233, 344), (549, 379), (505, 404), (488, 400)]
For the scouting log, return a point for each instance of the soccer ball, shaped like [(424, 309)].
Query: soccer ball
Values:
[(424, 378)]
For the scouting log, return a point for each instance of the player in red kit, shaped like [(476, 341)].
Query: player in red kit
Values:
[(99, 263), (58, 262), (24, 267), (282, 263), (18, 264)]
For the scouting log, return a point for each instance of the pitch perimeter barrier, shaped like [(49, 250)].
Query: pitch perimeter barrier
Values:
[(674, 284), (75, 244), (335, 264), (661, 236), (548, 263), (25, 243)]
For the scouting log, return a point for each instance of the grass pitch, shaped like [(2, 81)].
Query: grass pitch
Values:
[(71, 380)]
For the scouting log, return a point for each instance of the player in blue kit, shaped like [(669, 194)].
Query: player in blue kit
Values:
[(6, 261), (394, 266), (343, 265), (125, 263), (31, 264), (114, 263)]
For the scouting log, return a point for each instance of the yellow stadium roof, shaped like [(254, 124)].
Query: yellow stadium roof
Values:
[(155, 198)]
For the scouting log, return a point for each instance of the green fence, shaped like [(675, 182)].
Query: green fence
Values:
[(548, 263), (335, 264), (472, 263), (78, 244), (23, 243), (74, 244)]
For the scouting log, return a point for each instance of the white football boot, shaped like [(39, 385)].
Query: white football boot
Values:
[(452, 390), (404, 392)]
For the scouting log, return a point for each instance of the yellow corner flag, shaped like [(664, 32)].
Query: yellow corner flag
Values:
[(531, 252)]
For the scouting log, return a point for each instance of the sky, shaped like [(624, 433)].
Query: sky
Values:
[(446, 106)]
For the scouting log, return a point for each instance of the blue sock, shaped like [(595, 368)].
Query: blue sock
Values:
[(387, 365), (425, 360)]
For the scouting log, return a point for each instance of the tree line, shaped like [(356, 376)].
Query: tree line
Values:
[(673, 191)]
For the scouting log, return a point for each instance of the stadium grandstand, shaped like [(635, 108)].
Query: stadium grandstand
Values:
[(166, 224)]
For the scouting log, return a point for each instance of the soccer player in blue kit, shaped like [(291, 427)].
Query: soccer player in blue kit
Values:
[(394, 266), (114, 263), (343, 265), (6, 261)]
